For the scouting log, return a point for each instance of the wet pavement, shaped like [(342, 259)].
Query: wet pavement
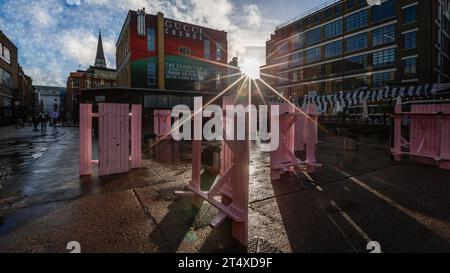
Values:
[(359, 196)]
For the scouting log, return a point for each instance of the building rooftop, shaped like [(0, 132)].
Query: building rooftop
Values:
[(7, 39), (307, 13)]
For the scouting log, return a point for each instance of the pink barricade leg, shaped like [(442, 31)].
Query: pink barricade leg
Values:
[(397, 133), (136, 131), (156, 122), (232, 185), (165, 123), (311, 136), (300, 128), (240, 190), (196, 170), (103, 139), (85, 167)]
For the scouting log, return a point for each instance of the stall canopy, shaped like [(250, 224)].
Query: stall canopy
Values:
[(358, 97)]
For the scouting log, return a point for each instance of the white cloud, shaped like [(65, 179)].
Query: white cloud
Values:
[(81, 47), (66, 36), (254, 16), (73, 2)]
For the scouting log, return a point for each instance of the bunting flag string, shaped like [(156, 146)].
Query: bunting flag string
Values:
[(359, 96)]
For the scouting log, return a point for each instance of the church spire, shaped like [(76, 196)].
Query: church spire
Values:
[(100, 61)]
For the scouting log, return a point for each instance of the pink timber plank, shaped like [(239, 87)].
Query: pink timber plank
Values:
[(85, 164), (136, 131)]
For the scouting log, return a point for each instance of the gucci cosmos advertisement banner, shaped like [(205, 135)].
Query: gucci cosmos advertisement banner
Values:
[(191, 54)]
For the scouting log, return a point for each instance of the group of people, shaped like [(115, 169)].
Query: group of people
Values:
[(43, 119)]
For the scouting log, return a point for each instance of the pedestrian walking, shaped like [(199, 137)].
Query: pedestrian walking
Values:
[(35, 119), (43, 120)]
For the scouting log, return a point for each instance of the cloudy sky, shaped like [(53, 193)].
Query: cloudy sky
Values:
[(55, 37)]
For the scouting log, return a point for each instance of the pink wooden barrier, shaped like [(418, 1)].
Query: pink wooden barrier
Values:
[(232, 185), (115, 132), (297, 131), (162, 123), (301, 127), (428, 140)]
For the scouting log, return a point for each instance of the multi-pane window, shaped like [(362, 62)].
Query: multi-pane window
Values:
[(333, 29), (294, 76), (333, 68), (333, 49), (384, 11), (206, 49), (284, 62), (5, 54), (5, 78), (283, 48), (410, 14), (296, 42), (76, 84), (356, 21), (150, 39), (383, 35), (151, 74), (353, 3), (383, 58), (218, 52), (312, 36), (350, 4), (296, 59), (356, 63), (283, 78), (355, 83), (410, 40), (328, 13), (356, 42), (381, 79), (410, 66), (313, 72), (313, 54)]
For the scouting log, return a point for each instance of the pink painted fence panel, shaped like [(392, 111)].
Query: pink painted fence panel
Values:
[(162, 122), (294, 139), (115, 138), (115, 132), (429, 134)]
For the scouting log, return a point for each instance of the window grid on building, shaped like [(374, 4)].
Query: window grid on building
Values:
[(383, 35), (410, 14), (356, 63), (356, 42), (384, 11), (381, 79), (313, 36), (333, 29), (333, 49), (410, 66), (357, 21), (313, 54), (410, 40), (383, 58)]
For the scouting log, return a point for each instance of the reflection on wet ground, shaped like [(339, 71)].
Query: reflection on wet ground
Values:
[(358, 195), (18, 153)]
